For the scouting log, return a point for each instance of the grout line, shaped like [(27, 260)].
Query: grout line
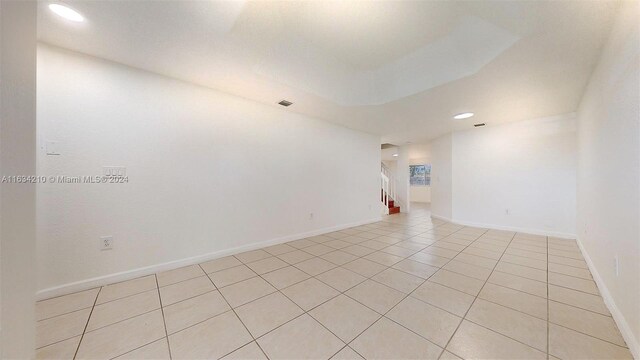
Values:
[(177, 302), (304, 312), (76, 292), (122, 320), (127, 296), (557, 263), (112, 284), (342, 348), (581, 308), (528, 267), (591, 336), (462, 318), (164, 321), (476, 296), (200, 322), (314, 319), (86, 324), (67, 313), (521, 277), (190, 297), (507, 336), (525, 257), (390, 309), (405, 297), (58, 341), (143, 345), (548, 314), (238, 317)]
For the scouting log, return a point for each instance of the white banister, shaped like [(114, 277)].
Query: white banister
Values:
[(387, 186)]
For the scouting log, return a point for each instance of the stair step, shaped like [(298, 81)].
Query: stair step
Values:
[(394, 210), (390, 202)]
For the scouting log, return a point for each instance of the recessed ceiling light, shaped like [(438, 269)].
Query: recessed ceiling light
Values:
[(395, 155), (478, 125), (463, 116), (285, 103), (66, 12)]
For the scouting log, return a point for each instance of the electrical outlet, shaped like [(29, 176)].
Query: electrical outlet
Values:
[(115, 171), (616, 265), (105, 243), (310, 216), (506, 211)]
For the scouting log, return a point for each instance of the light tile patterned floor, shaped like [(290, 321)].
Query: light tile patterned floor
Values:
[(408, 287)]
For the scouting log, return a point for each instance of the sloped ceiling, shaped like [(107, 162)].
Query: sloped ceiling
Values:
[(399, 69)]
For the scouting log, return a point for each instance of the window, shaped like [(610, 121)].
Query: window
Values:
[(420, 175)]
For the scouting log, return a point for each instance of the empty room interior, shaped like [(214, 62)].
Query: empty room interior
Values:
[(350, 179)]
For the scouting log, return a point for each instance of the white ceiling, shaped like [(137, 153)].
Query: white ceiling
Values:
[(399, 69)]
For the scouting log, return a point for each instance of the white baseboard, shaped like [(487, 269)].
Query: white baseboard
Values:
[(152, 269), (439, 217), (623, 325), (508, 228)]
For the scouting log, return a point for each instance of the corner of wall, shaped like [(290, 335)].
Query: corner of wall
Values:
[(609, 301)]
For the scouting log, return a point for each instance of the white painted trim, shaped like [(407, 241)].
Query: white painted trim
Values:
[(152, 269), (509, 228), (618, 317), (444, 218)]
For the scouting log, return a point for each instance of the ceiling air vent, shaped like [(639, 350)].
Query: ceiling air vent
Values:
[(478, 125), (285, 103)]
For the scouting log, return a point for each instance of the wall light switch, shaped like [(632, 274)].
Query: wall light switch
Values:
[(52, 148)]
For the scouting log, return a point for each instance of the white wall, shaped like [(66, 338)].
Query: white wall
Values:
[(402, 178), (421, 194), (420, 151), (441, 177), (519, 176), (609, 175), (207, 172), (17, 157), (392, 165)]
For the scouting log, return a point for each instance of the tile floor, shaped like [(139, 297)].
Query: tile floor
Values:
[(408, 287)]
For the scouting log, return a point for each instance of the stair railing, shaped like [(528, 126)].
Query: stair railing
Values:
[(388, 186)]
